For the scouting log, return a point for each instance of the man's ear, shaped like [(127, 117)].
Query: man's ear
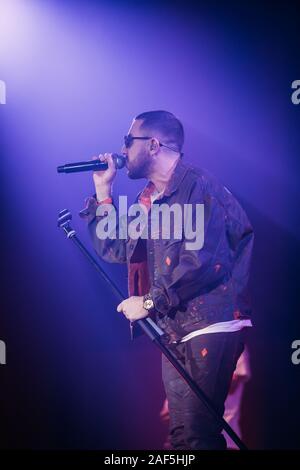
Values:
[(154, 145)]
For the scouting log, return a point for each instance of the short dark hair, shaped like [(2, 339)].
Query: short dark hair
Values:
[(169, 127)]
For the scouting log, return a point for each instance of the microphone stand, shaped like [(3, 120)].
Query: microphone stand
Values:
[(156, 335)]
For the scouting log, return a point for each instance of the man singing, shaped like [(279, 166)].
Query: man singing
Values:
[(198, 297)]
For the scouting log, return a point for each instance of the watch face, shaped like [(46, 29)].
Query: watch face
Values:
[(148, 304)]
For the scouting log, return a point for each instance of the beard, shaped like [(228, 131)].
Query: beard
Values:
[(140, 167)]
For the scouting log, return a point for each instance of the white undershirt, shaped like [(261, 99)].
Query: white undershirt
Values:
[(221, 327)]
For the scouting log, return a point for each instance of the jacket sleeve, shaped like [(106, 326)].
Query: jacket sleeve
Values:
[(199, 271), (109, 246)]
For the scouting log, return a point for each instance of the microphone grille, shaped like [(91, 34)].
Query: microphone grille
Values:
[(119, 160)]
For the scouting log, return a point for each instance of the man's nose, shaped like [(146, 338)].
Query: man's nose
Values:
[(124, 150)]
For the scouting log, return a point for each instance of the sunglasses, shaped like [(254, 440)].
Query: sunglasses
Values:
[(128, 141)]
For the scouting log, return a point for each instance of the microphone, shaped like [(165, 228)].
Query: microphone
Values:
[(92, 165)]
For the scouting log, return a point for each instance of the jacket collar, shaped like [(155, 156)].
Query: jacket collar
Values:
[(176, 178), (174, 181)]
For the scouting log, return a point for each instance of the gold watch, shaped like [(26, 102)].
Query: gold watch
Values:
[(148, 303)]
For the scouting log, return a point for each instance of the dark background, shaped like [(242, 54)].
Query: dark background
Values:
[(76, 74)]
